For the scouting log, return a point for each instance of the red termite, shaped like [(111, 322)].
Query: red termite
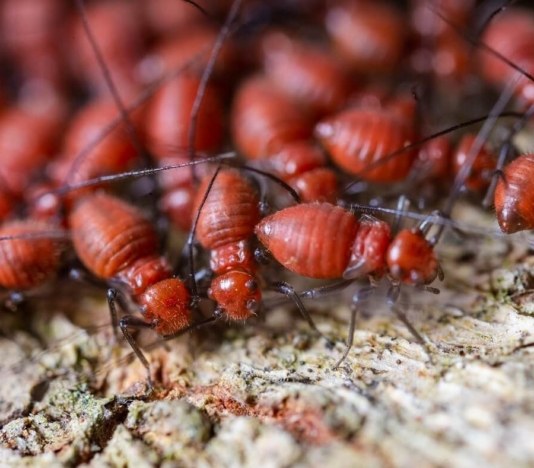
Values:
[(271, 129), (178, 51), (168, 118), (371, 36), (116, 243), (263, 119), (307, 74), (115, 151), (32, 40), (225, 227), (441, 52), (344, 247), (483, 166), (28, 140), (511, 35)]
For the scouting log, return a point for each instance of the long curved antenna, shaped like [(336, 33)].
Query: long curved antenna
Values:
[(476, 42), (492, 15), (434, 219), (200, 8), (190, 238), (223, 34), (279, 181), (56, 234), (137, 174), (109, 81)]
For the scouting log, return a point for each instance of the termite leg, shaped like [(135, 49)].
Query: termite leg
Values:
[(419, 338), (133, 322), (286, 289), (112, 298), (402, 205), (78, 274), (323, 291), (358, 298)]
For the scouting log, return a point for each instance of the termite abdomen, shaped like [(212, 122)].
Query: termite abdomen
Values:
[(313, 240), (231, 210), (263, 119), (514, 197), (357, 139), (27, 263)]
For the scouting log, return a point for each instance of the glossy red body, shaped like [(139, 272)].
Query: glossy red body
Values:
[(356, 139), (225, 227), (168, 118), (309, 75), (371, 36), (411, 258), (28, 263), (114, 240), (263, 119)]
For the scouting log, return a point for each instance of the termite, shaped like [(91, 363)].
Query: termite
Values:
[(346, 248), (370, 36), (270, 129), (309, 75)]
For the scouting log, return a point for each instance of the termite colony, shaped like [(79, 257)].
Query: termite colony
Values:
[(329, 106)]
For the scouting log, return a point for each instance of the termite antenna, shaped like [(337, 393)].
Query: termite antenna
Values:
[(279, 181), (493, 14), (434, 218), (57, 234), (467, 123), (137, 174), (201, 9), (476, 42), (190, 238), (109, 81), (208, 70)]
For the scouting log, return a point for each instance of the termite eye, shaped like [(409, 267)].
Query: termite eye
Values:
[(252, 285)]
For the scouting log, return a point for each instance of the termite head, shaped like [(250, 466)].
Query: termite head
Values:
[(369, 248), (237, 294), (165, 305), (411, 258)]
